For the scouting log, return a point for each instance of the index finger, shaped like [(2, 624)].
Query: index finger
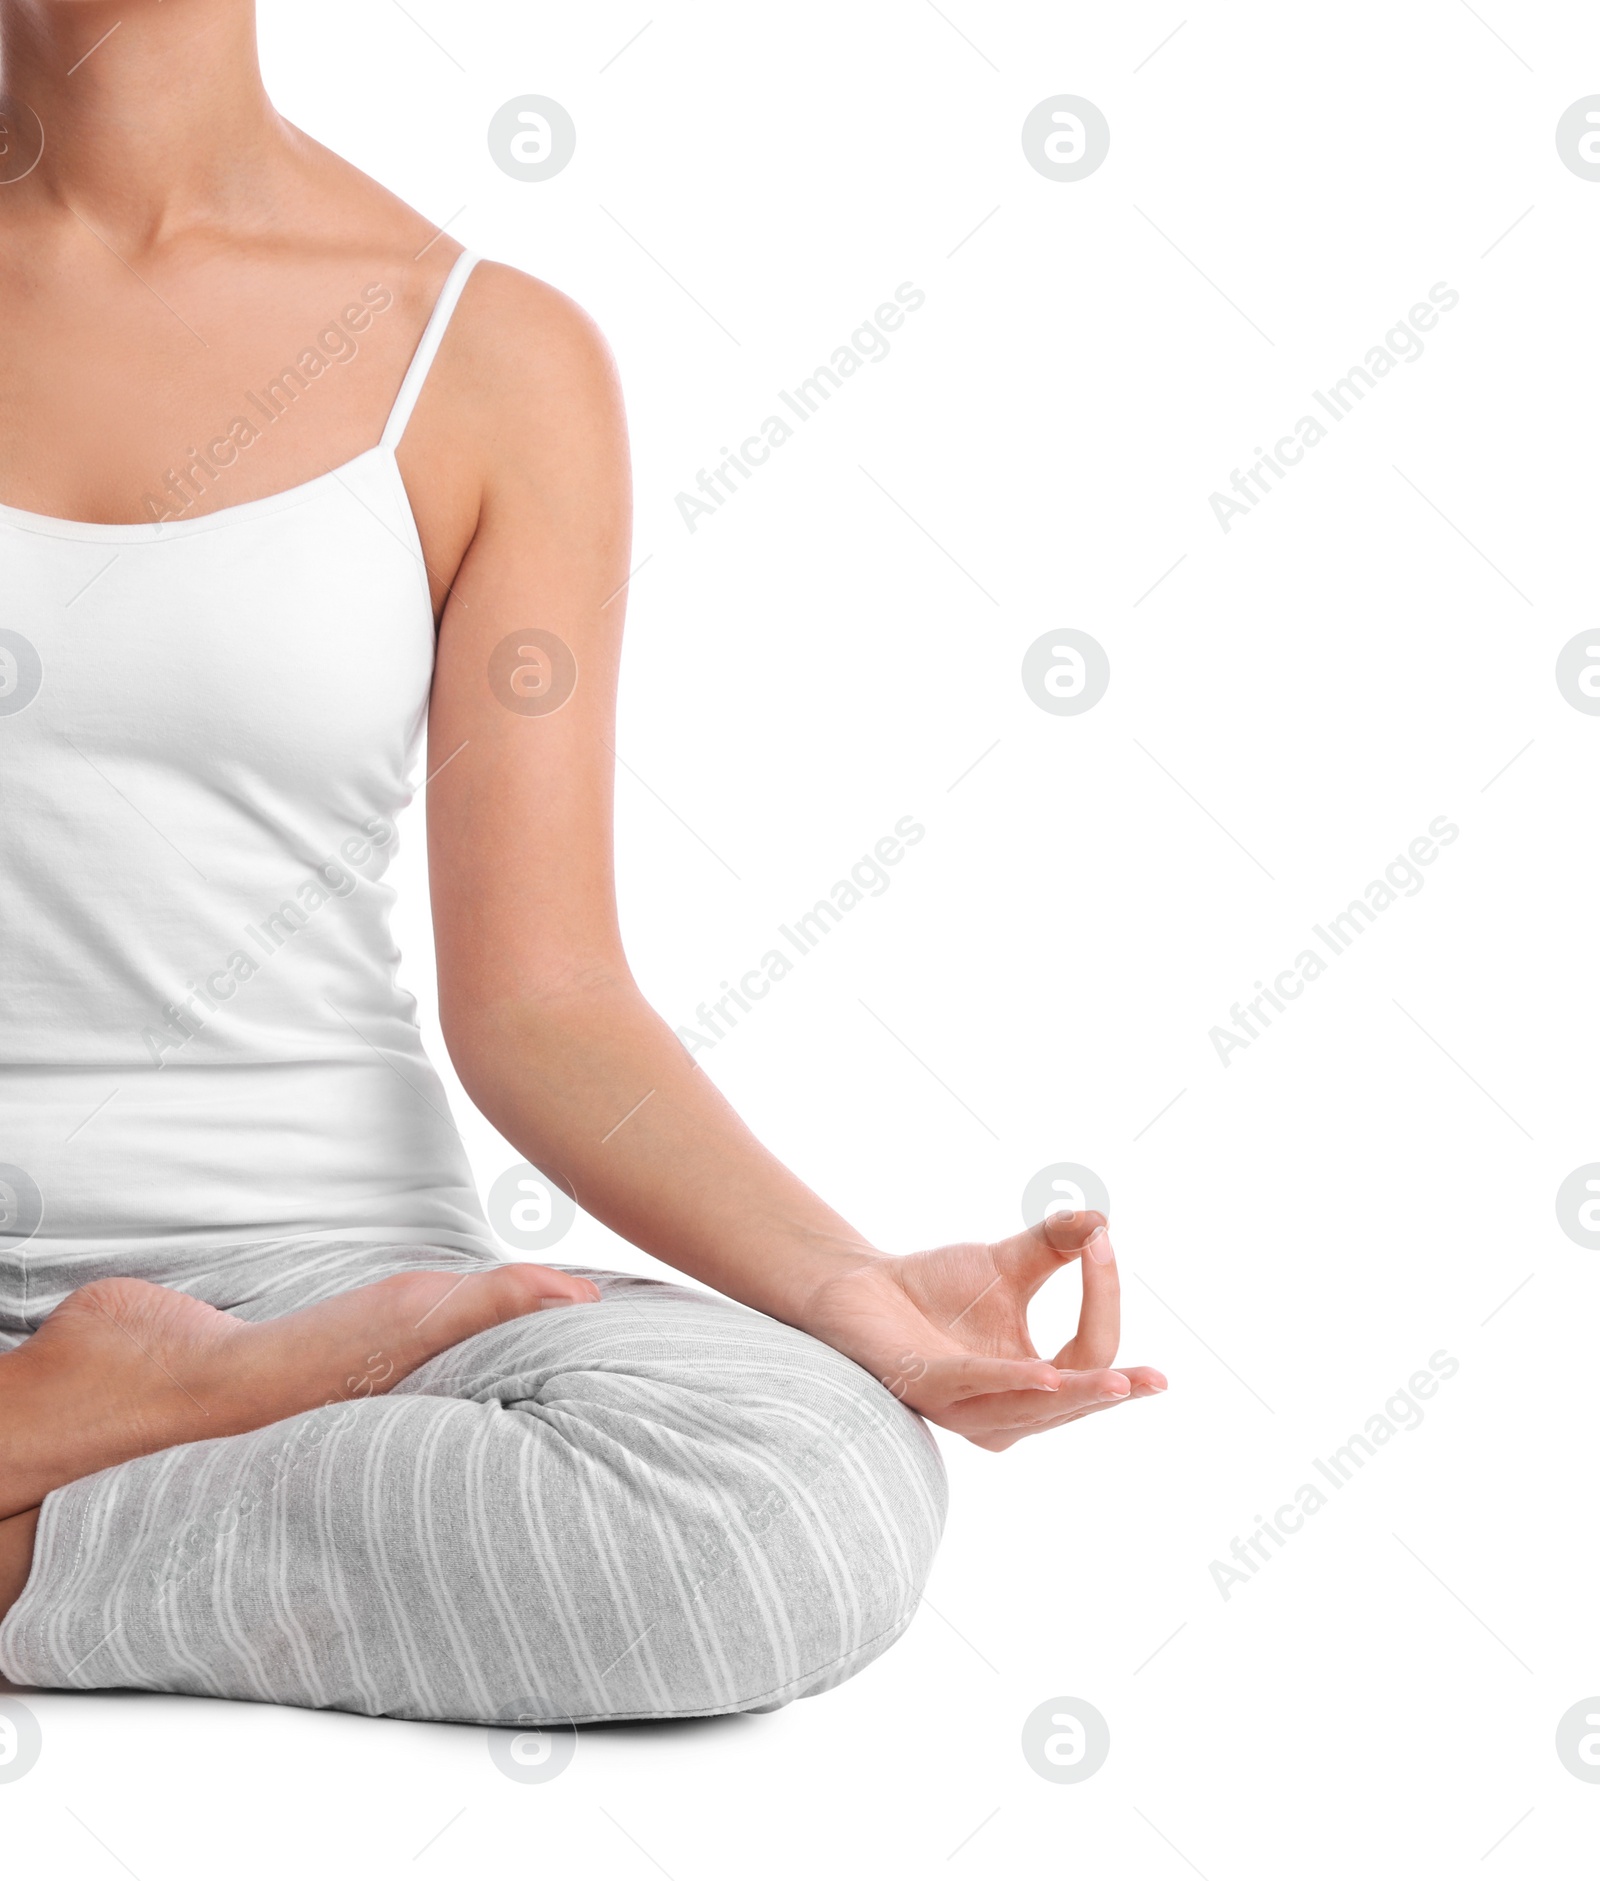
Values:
[(1032, 1257), (1100, 1317)]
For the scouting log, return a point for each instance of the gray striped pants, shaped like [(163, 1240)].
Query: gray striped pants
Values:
[(660, 1505)]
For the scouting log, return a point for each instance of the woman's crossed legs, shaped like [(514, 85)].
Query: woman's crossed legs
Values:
[(660, 1504)]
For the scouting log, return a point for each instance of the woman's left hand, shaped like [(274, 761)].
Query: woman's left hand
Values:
[(947, 1331)]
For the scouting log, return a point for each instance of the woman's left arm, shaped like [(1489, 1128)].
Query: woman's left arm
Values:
[(551, 1038)]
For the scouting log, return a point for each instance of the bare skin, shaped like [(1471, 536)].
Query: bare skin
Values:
[(123, 1368), (143, 293)]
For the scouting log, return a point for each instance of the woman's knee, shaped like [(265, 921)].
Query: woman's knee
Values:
[(737, 1514), (813, 1551)]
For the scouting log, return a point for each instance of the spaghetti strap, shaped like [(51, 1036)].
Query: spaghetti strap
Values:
[(427, 346)]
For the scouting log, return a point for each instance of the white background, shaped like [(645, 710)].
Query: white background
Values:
[(840, 646)]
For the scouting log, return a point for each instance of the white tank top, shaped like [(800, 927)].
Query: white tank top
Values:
[(207, 733)]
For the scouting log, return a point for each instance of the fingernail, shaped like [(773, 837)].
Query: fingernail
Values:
[(1098, 1247), (1111, 1387)]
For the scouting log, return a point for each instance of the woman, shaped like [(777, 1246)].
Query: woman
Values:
[(275, 1423)]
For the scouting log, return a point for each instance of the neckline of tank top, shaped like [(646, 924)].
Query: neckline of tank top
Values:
[(37, 522)]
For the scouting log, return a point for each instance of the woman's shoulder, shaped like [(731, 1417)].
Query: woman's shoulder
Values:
[(526, 372), (508, 322), (528, 334)]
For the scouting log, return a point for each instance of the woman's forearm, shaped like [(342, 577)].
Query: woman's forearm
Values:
[(594, 1087)]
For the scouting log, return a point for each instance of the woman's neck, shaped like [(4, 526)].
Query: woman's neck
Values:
[(153, 113)]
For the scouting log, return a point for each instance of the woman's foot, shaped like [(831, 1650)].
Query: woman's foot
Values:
[(122, 1367)]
